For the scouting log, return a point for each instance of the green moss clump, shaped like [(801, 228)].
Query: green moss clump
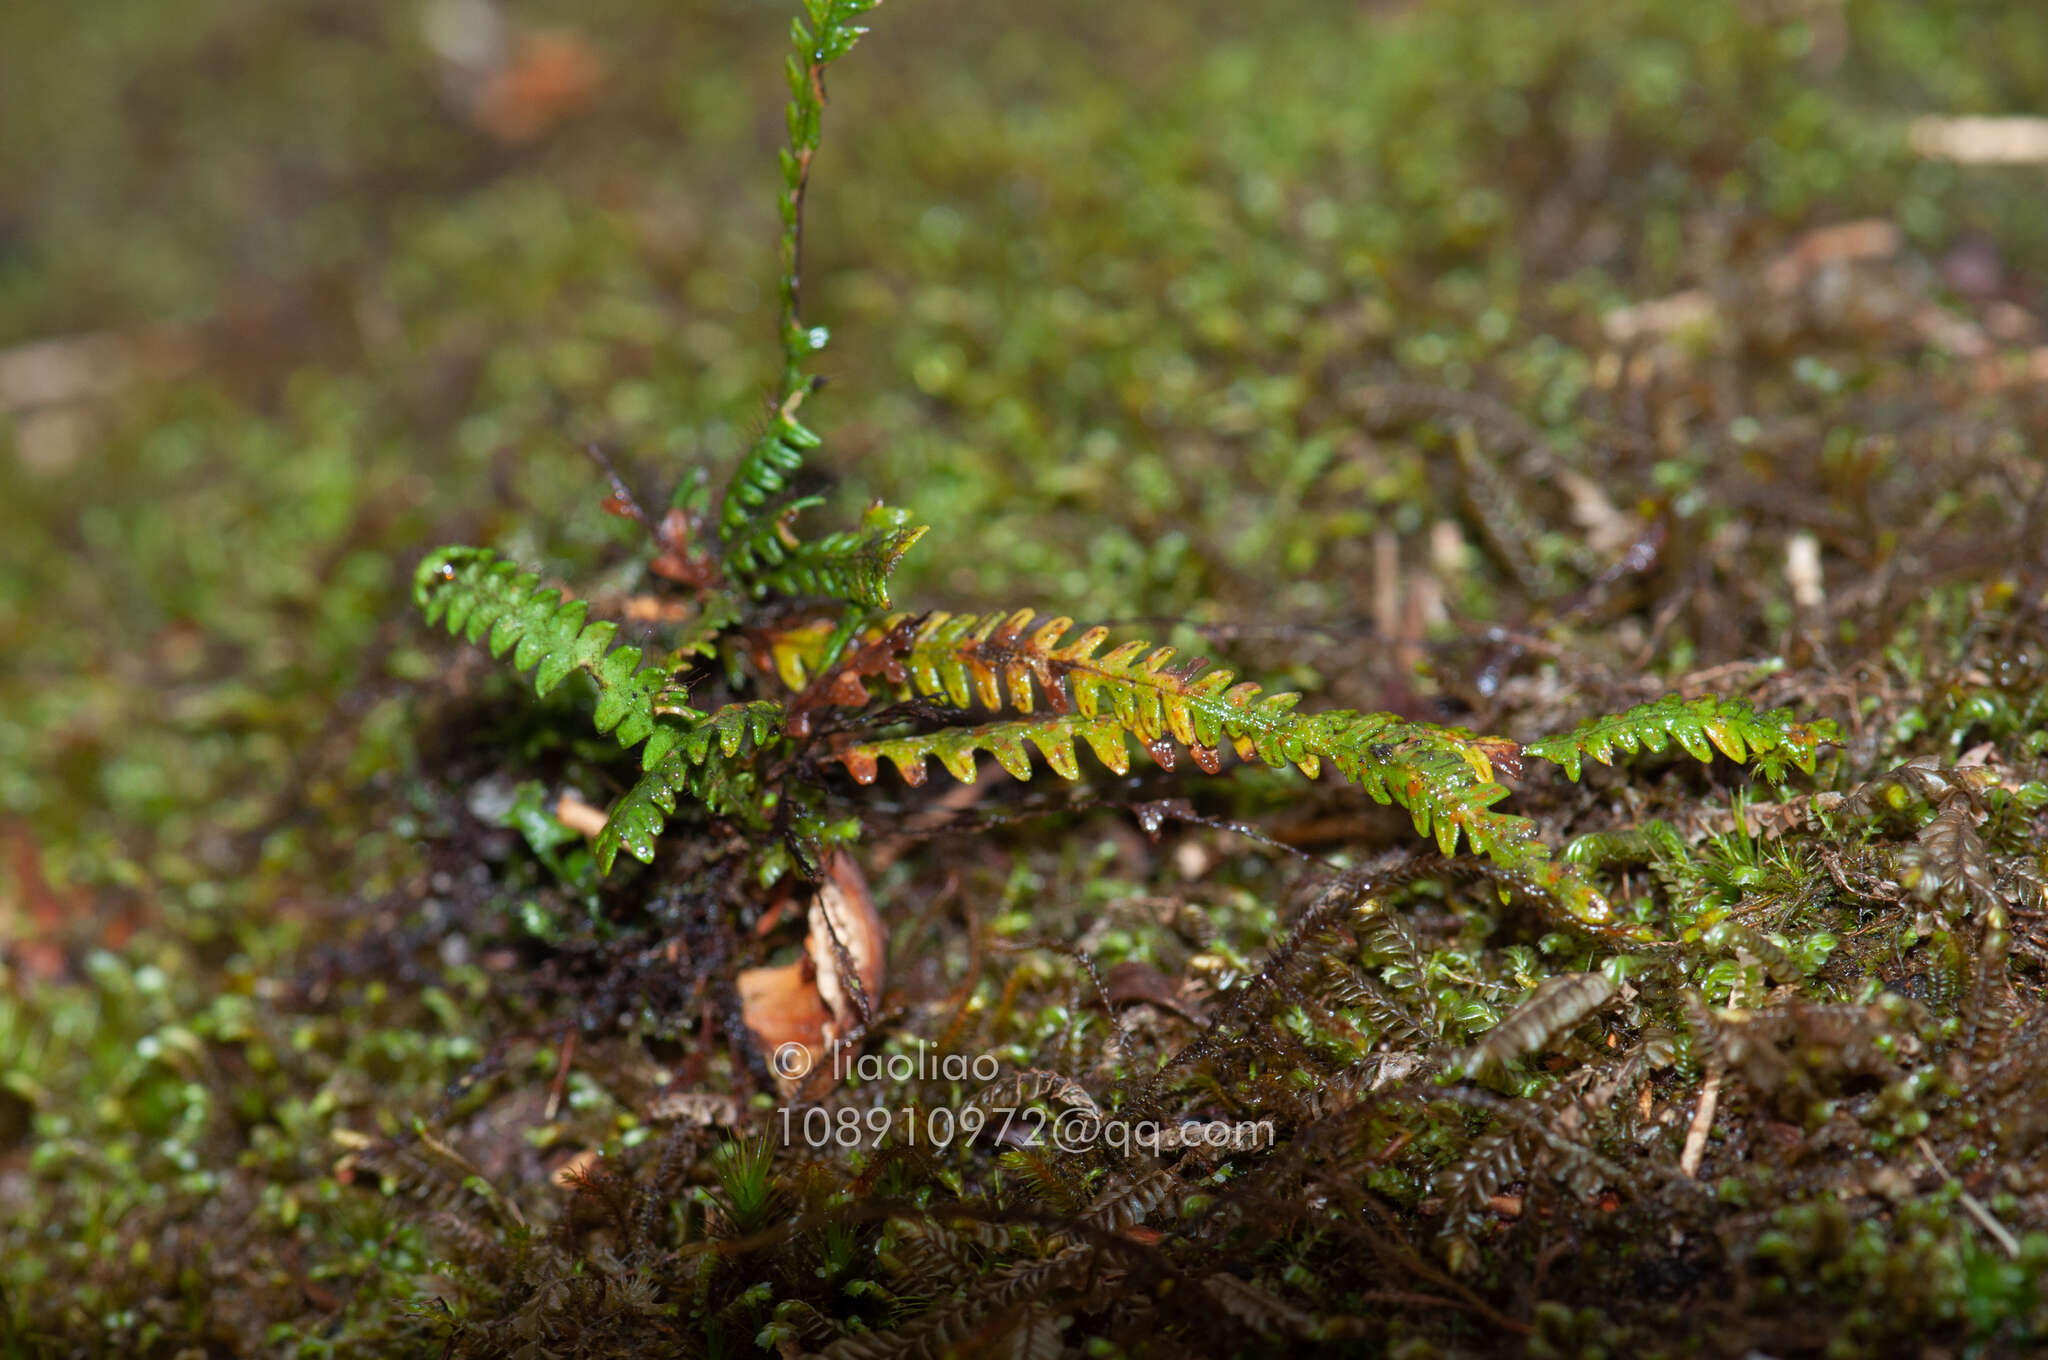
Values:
[(1475, 363)]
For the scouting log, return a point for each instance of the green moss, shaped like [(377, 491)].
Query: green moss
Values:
[(1167, 314)]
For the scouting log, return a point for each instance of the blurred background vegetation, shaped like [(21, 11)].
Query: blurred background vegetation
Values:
[(290, 291)]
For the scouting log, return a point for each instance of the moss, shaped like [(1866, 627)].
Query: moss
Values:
[(1169, 314)]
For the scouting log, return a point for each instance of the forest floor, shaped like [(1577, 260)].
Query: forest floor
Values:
[(1491, 364)]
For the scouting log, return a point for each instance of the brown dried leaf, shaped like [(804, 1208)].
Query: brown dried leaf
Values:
[(1132, 981), (799, 1012)]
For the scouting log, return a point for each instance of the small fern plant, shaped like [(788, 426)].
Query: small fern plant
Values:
[(807, 640)]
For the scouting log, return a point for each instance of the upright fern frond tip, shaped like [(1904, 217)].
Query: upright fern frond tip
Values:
[(756, 518), (831, 35)]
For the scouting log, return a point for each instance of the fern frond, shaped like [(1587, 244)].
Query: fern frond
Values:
[(1573, 1161), (831, 35), (1259, 1310), (475, 594), (930, 1250), (751, 539), (853, 565), (1443, 777), (1492, 1161), (688, 754), (991, 659), (703, 768), (1700, 727)]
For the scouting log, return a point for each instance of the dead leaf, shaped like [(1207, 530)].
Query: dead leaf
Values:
[(1131, 982), (552, 76), (798, 1012)]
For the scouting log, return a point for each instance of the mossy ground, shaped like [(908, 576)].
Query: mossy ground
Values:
[(1165, 314)]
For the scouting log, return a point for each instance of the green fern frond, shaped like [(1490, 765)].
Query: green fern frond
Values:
[(753, 526), (1700, 727), (831, 35), (749, 537), (475, 594), (853, 565), (704, 768), (1443, 777), (1002, 661)]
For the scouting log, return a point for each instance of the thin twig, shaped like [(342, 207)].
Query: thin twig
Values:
[(488, 1191), (1702, 1125), (561, 1081), (1997, 1231)]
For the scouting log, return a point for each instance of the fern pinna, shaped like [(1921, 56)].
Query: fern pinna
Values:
[(745, 760)]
